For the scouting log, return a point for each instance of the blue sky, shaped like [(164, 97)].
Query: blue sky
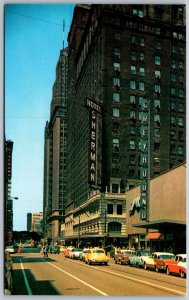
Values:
[(33, 40)]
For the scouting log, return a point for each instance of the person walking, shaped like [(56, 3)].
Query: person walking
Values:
[(19, 250), (45, 251)]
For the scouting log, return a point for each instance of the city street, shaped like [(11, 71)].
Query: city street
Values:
[(56, 275)]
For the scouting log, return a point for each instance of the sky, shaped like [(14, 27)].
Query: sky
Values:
[(33, 38)]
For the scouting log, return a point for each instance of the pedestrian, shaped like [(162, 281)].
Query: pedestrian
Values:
[(45, 251), (19, 250)]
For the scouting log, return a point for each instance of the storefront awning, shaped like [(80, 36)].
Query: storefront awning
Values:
[(153, 235)]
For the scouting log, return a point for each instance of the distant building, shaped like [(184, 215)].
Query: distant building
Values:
[(35, 222)]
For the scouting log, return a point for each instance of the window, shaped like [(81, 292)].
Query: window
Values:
[(180, 150), (132, 130), (110, 209), (132, 99), (158, 45), (173, 91), (133, 70), (132, 114), (133, 39), (180, 122), (181, 65), (132, 145), (156, 132), (116, 81), (115, 142), (181, 93), (117, 21), (157, 103), (117, 52), (119, 209), (141, 86), (173, 106), (173, 64), (133, 85), (181, 50), (157, 74), (116, 66), (173, 77), (117, 35), (142, 42), (141, 56), (115, 188), (173, 120), (116, 97), (157, 89), (173, 49), (157, 30), (156, 118), (142, 71), (181, 107), (138, 12), (115, 112), (157, 60), (133, 55)]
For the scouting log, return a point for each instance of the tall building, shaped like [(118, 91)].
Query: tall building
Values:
[(8, 200), (126, 113), (55, 153)]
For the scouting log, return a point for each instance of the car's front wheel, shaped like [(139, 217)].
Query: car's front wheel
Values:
[(182, 275), (168, 271)]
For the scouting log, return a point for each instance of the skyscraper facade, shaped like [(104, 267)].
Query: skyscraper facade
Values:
[(55, 154), (126, 91)]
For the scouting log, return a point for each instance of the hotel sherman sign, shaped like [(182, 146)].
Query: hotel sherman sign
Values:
[(94, 109)]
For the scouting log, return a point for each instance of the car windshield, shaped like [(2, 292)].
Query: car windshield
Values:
[(127, 252), (166, 256), (144, 253), (98, 251), (77, 250)]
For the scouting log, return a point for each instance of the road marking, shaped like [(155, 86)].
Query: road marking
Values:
[(26, 280), (92, 287), (143, 282)]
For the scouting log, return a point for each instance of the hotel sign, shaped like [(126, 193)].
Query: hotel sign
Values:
[(93, 108)]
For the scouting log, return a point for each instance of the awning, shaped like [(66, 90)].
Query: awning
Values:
[(153, 235)]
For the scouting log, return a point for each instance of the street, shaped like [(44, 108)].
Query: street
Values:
[(56, 275)]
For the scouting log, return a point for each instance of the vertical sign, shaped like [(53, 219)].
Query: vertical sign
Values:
[(94, 108)]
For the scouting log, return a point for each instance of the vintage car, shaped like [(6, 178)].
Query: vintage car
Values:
[(139, 258), (96, 256), (11, 249), (178, 266), (123, 256), (54, 249), (83, 253), (158, 261), (75, 253), (67, 251)]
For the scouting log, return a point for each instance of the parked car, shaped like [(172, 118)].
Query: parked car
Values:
[(83, 253), (158, 261), (123, 256), (96, 256), (178, 266), (8, 268), (62, 249), (75, 252), (54, 249), (67, 251), (11, 249), (139, 258)]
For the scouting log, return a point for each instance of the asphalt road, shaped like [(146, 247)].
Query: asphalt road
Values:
[(56, 275)]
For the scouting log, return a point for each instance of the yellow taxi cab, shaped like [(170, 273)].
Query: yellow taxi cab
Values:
[(96, 256), (62, 249)]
